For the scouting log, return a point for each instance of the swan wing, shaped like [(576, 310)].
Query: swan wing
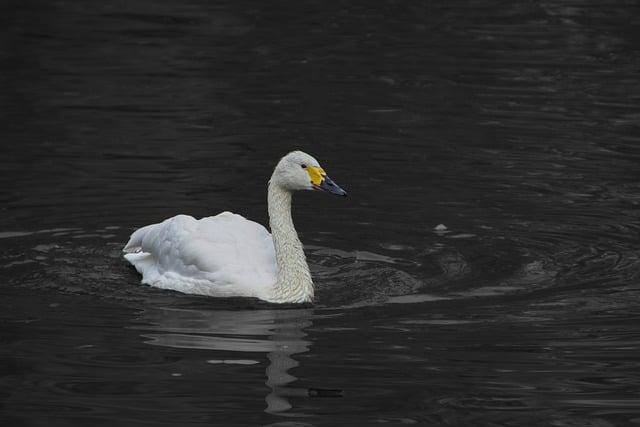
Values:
[(222, 255)]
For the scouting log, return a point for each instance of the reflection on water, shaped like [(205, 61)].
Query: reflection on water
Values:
[(278, 333)]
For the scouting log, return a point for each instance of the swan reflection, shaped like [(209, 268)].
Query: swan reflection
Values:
[(279, 333)]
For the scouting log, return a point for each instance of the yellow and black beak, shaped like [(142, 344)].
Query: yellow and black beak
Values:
[(321, 181)]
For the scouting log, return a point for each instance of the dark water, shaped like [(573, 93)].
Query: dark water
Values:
[(514, 124)]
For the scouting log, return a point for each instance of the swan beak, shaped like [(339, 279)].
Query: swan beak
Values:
[(321, 181), (331, 187)]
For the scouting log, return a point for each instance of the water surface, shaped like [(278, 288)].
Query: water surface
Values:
[(483, 270)]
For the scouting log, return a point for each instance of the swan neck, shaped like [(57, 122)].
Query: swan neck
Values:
[(293, 282)]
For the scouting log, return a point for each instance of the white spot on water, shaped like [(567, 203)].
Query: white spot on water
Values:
[(232, 361), (462, 236), (415, 298), (8, 234)]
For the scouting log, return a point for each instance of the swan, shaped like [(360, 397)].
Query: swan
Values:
[(227, 255)]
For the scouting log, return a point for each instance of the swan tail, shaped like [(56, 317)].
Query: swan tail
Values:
[(143, 261), (144, 264), (135, 241)]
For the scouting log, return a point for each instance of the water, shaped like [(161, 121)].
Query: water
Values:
[(514, 125)]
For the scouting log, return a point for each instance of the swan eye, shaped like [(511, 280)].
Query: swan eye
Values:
[(303, 166)]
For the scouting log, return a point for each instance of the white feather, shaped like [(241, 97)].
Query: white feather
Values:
[(223, 255)]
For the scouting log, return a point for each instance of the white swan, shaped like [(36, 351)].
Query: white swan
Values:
[(227, 255)]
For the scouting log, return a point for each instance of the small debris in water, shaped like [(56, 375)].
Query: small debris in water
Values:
[(441, 229)]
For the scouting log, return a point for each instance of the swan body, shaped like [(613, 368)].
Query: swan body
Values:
[(227, 255), (222, 255)]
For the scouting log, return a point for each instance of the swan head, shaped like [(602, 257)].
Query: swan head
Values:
[(300, 171)]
